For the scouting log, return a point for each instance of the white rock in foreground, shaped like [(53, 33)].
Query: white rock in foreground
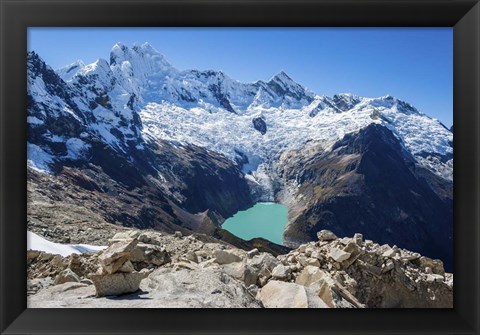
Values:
[(339, 255), (279, 294), (203, 288)]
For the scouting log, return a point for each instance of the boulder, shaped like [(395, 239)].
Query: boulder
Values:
[(191, 256), (338, 255), (302, 248), (148, 237), (432, 277), (326, 235), (312, 262), (86, 281), (435, 264), (253, 253), (127, 267), (335, 294), (225, 257), (185, 265), (209, 287), (112, 258), (388, 266), (66, 276), (261, 267), (279, 294), (389, 253), (330, 291), (358, 239), (44, 256), (310, 275), (203, 254), (354, 250), (235, 270), (309, 250), (32, 255), (75, 263), (281, 272), (117, 283), (149, 254), (124, 235), (409, 256)]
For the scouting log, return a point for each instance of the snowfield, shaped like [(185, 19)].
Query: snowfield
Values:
[(36, 242)]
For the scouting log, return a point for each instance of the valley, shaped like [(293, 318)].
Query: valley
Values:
[(133, 142)]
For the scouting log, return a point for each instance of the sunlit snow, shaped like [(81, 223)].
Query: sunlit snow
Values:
[(36, 242), (209, 109)]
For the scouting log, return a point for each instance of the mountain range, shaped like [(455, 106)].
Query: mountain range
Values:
[(134, 141)]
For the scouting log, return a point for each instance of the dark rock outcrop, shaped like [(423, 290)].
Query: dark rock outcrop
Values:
[(368, 183), (260, 125)]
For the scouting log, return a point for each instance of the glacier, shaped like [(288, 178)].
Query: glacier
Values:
[(212, 110)]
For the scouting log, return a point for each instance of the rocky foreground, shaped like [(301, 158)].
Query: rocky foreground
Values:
[(157, 270)]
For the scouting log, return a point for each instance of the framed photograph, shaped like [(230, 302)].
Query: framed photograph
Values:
[(205, 160)]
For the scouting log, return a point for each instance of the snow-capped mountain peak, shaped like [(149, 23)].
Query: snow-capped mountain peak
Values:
[(139, 91), (100, 67), (67, 72), (282, 77), (142, 58), (282, 85)]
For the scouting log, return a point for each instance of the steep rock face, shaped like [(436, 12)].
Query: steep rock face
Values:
[(202, 180), (368, 183), (89, 142)]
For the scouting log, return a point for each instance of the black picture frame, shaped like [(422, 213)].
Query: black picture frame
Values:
[(17, 15)]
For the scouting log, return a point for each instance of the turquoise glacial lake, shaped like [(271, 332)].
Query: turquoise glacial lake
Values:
[(265, 219)]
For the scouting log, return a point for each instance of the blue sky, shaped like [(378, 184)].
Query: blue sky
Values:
[(413, 64)]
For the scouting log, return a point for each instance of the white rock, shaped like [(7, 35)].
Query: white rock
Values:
[(358, 238), (252, 253), (279, 294), (66, 276), (309, 275), (432, 277), (389, 253), (302, 248), (225, 257), (313, 262), (127, 267), (388, 266), (112, 258), (326, 235), (117, 283), (281, 272), (338, 255)]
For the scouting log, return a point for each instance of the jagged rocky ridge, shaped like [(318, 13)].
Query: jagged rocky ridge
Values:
[(183, 150), (368, 183), (151, 269)]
